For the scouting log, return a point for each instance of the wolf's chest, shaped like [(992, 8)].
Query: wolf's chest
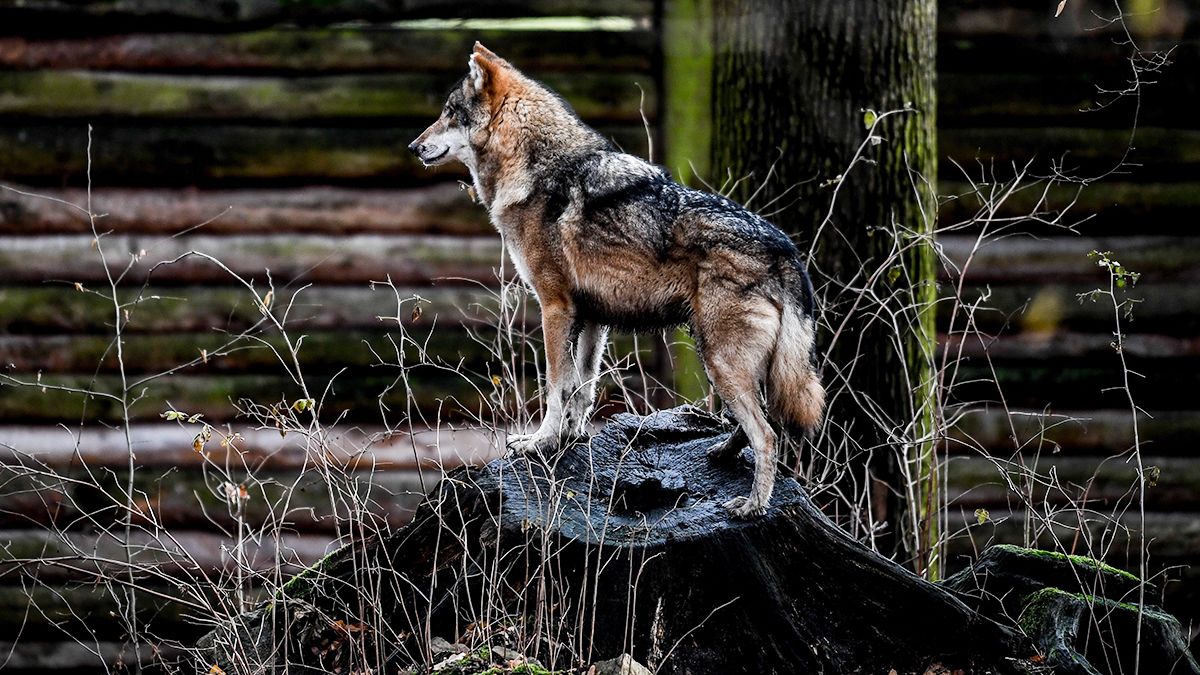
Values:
[(516, 252)]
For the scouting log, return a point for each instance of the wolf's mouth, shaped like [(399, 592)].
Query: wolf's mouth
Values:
[(429, 160)]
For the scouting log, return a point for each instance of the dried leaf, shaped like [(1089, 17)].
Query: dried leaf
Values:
[(78, 286), (416, 313), (215, 670), (1061, 6), (204, 355)]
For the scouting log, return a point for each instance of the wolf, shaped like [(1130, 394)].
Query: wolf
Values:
[(607, 241)]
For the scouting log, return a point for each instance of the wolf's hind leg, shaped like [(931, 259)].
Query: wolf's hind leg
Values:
[(738, 337), (588, 349)]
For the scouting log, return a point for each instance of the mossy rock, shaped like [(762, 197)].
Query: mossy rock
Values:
[(1079, 634), (1004, 576), (1079, 612)]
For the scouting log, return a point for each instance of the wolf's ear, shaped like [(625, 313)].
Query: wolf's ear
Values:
[(485, 66), (482, 72), (485, 52)]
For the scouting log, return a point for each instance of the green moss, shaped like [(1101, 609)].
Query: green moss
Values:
[(301, 585), (1042, 602), (1082, 561)]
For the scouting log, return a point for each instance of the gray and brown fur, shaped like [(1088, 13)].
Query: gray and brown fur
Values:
[(607, 240)]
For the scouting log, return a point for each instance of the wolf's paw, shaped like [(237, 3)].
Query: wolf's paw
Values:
[(744, 507), (536, 444)]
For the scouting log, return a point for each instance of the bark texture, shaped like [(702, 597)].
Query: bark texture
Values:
[(791, 83)]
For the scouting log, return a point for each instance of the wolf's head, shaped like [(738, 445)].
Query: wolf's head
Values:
[(462, 128)]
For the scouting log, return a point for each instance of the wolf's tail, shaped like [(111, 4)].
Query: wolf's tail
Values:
[(794, 389)]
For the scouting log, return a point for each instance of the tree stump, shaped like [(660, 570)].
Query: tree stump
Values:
[(621, 545)]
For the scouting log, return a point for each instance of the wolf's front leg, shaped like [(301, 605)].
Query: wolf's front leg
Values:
[(557, 318)]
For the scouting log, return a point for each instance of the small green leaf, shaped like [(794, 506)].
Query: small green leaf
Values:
[(893, 274), (1153, 473), (981, 515), (869, 118)]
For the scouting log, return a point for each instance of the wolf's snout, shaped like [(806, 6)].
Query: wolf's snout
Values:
[(415, 148)]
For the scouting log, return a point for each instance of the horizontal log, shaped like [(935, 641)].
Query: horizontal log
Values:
[(1037, 308), (1070, 97), (1073, 432), (1114, 208), (321, 354), (327, 353), (1110, 208), (184, 555), (57, 17), (148, 155), (1159, 154), (357, 259), (417, 259), (1174, 538), (45, 613), (159, 446), (441, 208), (1079, 18), (975, 482), (1143, 351), (42, 309), (1021, 53), (49, 309), (315, 500), (390, 98), (1027, 259), (357, 394), (1033, 383), (346, 49), (26, 656)]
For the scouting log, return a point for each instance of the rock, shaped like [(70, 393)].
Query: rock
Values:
[(1001, 579), (622, 665), (1085, 635), (441, 646), (1076, 612)]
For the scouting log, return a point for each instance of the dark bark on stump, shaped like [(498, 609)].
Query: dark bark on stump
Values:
[(623, 546)]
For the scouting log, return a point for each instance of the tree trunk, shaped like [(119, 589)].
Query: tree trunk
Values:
[(793, 82), (619, 545)]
